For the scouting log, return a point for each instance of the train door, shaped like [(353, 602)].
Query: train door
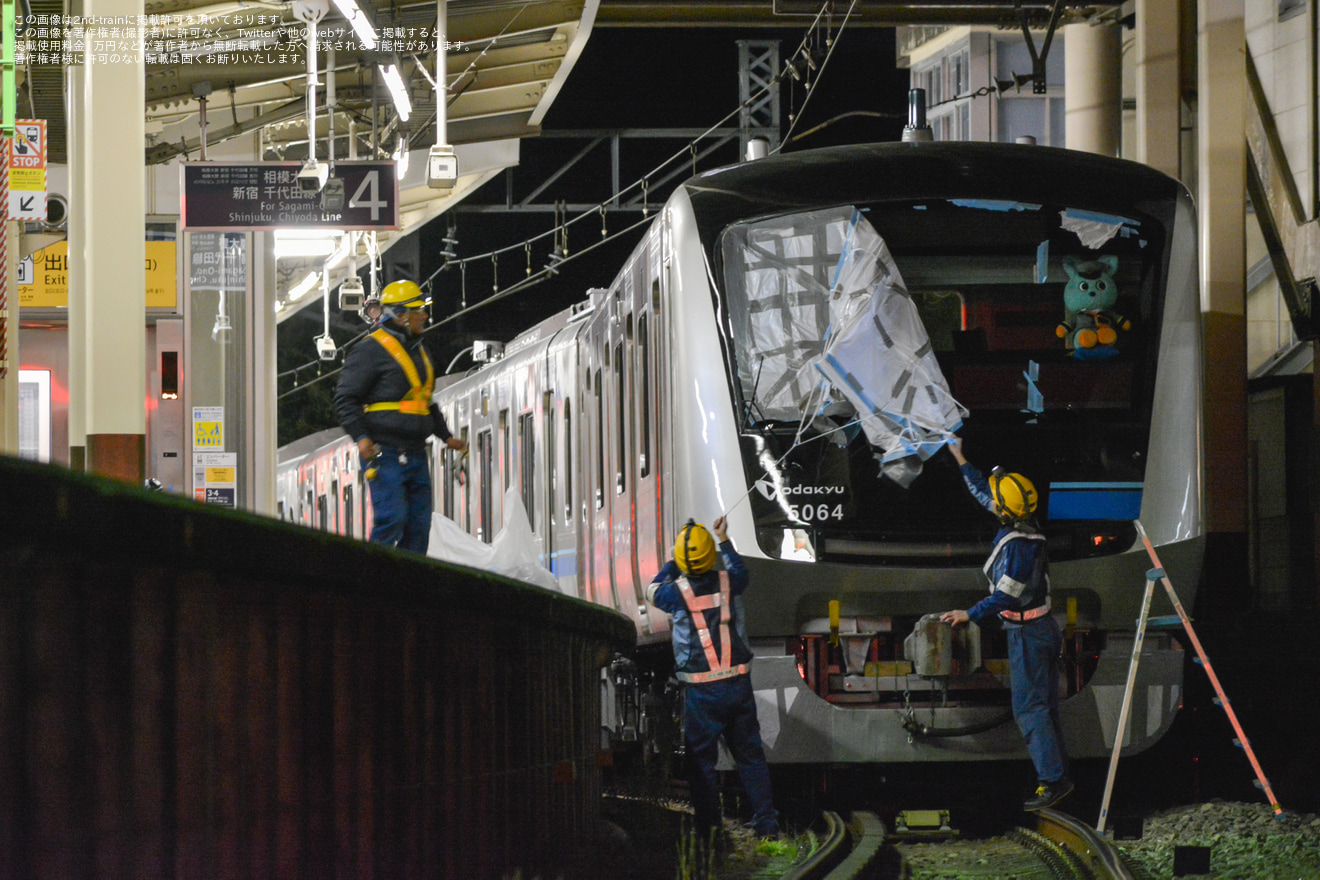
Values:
[(647, 551), (604, 587), (623, 398), (485, 484), (348, 489)]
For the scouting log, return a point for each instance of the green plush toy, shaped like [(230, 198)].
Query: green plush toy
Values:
[(1090, 325)]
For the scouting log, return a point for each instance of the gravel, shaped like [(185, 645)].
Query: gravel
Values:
[(1246, 842)]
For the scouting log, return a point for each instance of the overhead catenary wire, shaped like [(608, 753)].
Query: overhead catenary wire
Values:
[(560, 230)]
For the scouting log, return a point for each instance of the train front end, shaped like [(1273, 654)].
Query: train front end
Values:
[(871, 302)]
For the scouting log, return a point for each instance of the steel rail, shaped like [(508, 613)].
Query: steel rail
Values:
[(1096, 853)]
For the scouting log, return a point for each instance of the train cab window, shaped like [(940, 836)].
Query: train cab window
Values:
[(568, 461), (644, 397), (527, 464), (620, 396), (485, 471)]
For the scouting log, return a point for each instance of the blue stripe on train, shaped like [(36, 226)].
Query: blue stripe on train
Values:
[(564, 563), (1115, 501)]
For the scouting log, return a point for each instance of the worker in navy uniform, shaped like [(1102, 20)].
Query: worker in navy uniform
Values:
[(384, 403), (1018, 569), (712, 658)]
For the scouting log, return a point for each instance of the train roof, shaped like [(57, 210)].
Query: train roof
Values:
[(307, 445), (915, 171)]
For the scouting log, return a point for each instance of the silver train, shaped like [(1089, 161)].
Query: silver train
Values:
[(684, 390)]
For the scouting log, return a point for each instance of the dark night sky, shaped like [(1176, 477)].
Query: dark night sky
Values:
[(625, 78)]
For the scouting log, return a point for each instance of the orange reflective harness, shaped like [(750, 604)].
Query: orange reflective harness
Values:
[(696, 605), (417, 401)]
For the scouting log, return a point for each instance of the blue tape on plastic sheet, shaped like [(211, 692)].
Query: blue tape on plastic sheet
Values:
[(1107, 219), (1110, 501), (995, 205)]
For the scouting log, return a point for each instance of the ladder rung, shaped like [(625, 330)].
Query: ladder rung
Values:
[(1238, 742), (1154, 574), (1259, 785), (1164, 621), (1219, 701), (1198, 661)]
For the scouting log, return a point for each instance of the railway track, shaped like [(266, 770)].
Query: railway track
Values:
[(1058, 848)]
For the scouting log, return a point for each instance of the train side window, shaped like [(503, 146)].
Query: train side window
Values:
[(551, 452), (506, 462), (334, 513), (600, 443), (644, 369), (463, 487), (568, 461), (485, 454), (527, 464), (348, 512), (621, 459)]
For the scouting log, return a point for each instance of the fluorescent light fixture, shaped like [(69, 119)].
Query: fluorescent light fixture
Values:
[(401, 157), (400, 95), (299, 290), (358, 19), (305, 243)]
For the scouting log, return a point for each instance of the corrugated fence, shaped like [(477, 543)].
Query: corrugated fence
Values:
[(191, 693)]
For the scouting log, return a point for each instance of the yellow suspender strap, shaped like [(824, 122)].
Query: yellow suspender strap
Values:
[(418, 399), (719, 666)]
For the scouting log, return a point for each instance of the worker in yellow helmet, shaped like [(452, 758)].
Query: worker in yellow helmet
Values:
[(1019, 574), (383, 401), (712, 659)]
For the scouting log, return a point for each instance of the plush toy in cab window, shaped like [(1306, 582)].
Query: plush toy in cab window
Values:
[(1090, 325)]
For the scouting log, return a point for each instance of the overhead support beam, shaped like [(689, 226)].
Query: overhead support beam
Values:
[(874, 13), (1293, 242)]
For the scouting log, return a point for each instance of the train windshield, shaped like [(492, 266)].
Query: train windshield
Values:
[(865, 336)]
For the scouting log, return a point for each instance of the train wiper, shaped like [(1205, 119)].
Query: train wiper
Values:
[(752, 403)]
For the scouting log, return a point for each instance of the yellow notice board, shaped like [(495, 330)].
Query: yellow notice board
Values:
[(43, 278)]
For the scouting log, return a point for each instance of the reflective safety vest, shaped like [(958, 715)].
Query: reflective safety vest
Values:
[(696, 606), (417, 401)]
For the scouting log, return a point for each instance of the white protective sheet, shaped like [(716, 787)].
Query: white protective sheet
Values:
[(878, 357), (511, 553)]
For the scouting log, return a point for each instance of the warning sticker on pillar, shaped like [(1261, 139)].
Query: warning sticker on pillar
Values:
[(26, 158), (208, 427)]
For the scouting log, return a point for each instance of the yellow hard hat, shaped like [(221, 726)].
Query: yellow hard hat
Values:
[(694, 551), (1014, 493), (403, 293)]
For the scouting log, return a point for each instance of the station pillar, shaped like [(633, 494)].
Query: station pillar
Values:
[(113, 335), (1221, 193), (1158, 74), (1093, 94)]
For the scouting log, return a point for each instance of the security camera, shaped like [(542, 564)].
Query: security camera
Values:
[(313, 176), (332, 197), (441, 167), (326, 348), (351, 295)]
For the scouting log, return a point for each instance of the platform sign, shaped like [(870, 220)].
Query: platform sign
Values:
[(26, 158), (266, 195), (43, 277), (215, 478)]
